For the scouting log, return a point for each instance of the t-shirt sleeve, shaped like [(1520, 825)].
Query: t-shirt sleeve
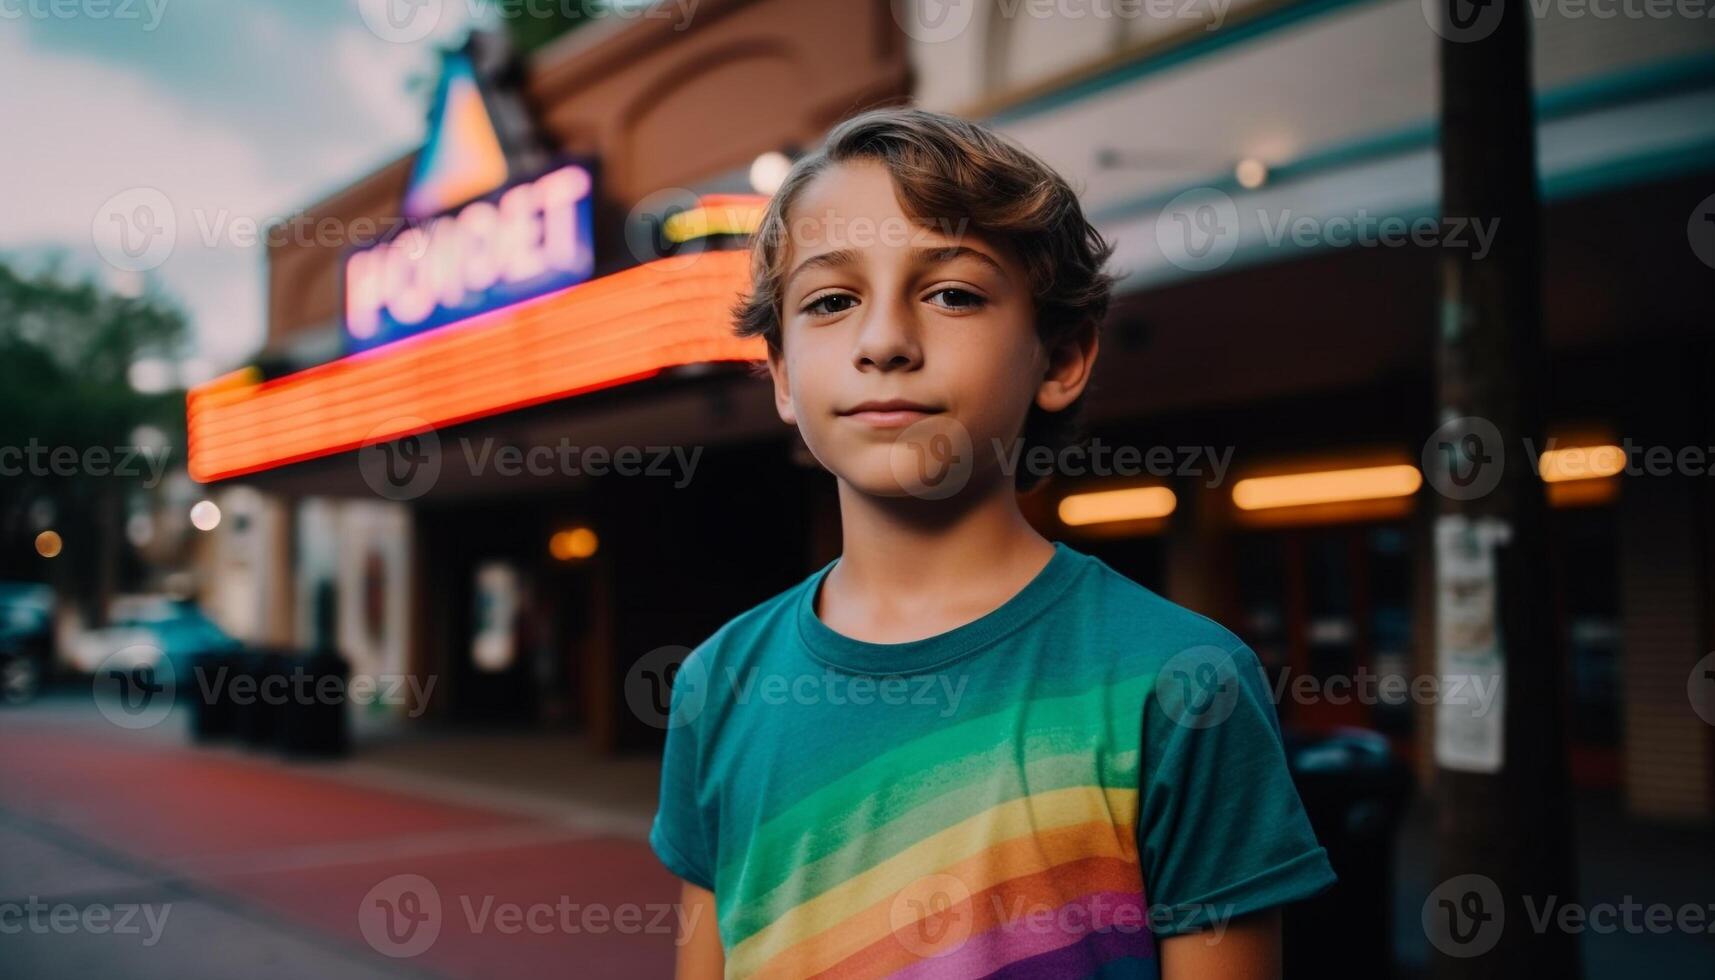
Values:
[(1221, 830), (679, 835)]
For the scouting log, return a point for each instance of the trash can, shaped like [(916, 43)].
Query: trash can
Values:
[(312, 722), (205, 687), (256, 692), (1355, 790)]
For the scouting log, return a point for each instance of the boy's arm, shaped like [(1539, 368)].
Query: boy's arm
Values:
[(700, 953), (1248, 949)]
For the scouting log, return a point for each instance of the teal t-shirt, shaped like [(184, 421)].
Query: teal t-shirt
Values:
[(1042, 792)]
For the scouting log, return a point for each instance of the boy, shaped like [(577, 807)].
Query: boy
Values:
[(959, 749)]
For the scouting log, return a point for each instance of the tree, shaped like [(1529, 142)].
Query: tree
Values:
[(532, 27), (67, 418)]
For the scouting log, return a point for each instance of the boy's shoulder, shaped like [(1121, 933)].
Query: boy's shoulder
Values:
[(1129, 605)]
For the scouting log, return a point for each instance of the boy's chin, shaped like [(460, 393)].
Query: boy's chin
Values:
[(906, 471)]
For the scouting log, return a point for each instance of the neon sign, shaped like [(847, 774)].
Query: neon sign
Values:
[(529, 239), (480, 235)]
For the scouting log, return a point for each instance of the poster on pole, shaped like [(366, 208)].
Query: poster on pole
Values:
[(1470, 714)]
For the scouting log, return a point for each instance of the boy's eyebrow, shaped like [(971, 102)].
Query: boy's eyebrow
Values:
[(843, 256), (922, 256), (947, 253)]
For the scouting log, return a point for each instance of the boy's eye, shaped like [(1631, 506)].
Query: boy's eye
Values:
[(830, 304), (953, 298)]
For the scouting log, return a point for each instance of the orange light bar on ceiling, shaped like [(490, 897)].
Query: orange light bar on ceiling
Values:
[(1581, 463), (605, 332), (1327, 487), (1111, 506)]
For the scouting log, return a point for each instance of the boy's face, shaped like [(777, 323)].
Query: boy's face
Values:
[(909, 347)]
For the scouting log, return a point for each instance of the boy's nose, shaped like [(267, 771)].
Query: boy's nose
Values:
[(888, 340)]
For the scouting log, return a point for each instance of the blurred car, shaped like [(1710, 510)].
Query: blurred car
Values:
[(146, 629), (26, 639)]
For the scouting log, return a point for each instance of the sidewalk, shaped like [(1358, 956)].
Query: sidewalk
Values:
[(440, 855), (1621, 858), (549, 774)]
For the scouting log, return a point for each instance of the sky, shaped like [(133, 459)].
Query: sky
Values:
[(198, 120)]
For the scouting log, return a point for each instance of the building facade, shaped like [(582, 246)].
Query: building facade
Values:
[(1269, 174)]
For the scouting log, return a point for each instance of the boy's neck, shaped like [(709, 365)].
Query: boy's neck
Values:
[(910, 567)]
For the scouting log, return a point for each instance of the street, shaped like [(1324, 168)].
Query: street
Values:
[(135, 853)]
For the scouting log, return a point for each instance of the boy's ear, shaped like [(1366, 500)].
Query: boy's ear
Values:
[(782, 391), (1069, 366)]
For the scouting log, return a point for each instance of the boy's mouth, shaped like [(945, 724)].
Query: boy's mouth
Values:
[(892, 413)]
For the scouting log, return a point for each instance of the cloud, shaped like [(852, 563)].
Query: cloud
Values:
[(94, 126)]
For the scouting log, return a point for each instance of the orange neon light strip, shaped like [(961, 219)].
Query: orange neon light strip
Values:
[(606, 332)]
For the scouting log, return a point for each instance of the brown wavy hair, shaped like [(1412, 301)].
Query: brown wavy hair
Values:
[(961, 171)]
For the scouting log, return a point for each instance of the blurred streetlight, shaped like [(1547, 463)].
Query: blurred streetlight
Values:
[(48, 544), (578, 542), (205, 515), (769, 171), (1251, 173)]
